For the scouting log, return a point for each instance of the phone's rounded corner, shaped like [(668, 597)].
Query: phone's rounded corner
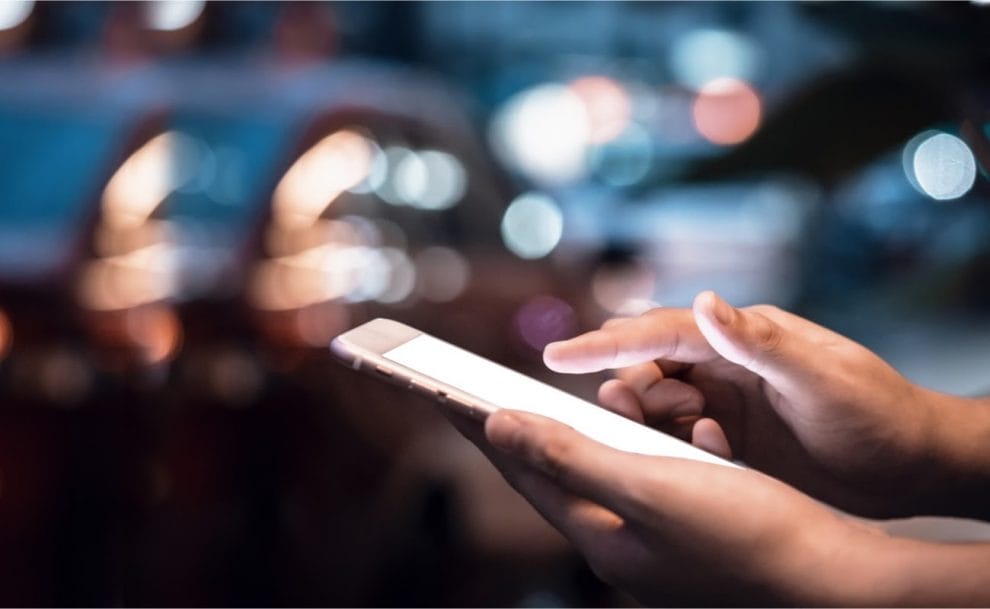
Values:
[(341, 352)]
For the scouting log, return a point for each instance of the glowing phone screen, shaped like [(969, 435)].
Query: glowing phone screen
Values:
[(505, 388)]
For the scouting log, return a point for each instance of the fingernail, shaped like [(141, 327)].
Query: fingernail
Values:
[(550, 348), (501, 429), (721, 310), (685, 408)]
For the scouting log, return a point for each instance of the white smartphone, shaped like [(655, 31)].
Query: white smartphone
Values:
[(478, 387)]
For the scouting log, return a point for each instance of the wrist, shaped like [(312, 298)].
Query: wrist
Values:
[(898, 572), (839, 563), (958, 457)]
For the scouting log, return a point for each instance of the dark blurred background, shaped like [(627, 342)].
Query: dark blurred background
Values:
[(196, 197)]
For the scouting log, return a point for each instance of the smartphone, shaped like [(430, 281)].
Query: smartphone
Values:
[(477, 387)]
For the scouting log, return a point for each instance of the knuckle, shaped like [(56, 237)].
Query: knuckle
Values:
[(610, 348), (654, 313), (767, 333), (552, 457), (771, 337), (613, 322), (767, 310)]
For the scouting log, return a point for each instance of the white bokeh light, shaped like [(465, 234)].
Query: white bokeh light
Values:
[(706, 54), (544, 133), (14, 12), (532, 225), (402, 276), (377, 172), (370, 271), (170, 15), (396, 179), (942, 166), (446, 180), (412, 176)]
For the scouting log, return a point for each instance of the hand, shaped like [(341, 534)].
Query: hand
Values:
[(673, 530), (776, 391)]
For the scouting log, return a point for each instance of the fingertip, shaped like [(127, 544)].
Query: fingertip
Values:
[(616, 396), (713, 308), (502, 429), (708, 435), (552, 355), (571, 356)]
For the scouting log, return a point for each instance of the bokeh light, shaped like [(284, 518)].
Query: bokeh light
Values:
[(442, 274), (703, 55), (412, 177), (6, 335), (336, 163), (401, 277), (143, 276), (543, 320), (619, 288), (626, 160), (14, 12), (64, 377), (939, 165), (431, 179), (141, 183), (377, 172), (234, 377), (607, 104), (171, 15), (400, 165), (543, 133), (156, 330), (726, 111), (532, 225)]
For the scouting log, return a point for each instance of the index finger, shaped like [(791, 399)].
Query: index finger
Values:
[(669, 334)]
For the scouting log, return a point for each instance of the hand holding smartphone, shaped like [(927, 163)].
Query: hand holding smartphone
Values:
[(477, 387)]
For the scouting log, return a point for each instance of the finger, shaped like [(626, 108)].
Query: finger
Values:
[(614, 322), (616, 396), (681, 427), (578, 464), (670, 399), (584, 523), (640, 377), (670, 334), (755, 341), (708, 435), (661, 398)]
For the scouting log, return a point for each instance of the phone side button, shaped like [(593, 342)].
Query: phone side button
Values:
[(421, 388), (383, 371)]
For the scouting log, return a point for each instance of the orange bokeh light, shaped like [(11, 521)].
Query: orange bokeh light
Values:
[(726, 111), (156, 330), (6, 335)]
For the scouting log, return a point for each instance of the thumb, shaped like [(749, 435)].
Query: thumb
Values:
[(753, 340)]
